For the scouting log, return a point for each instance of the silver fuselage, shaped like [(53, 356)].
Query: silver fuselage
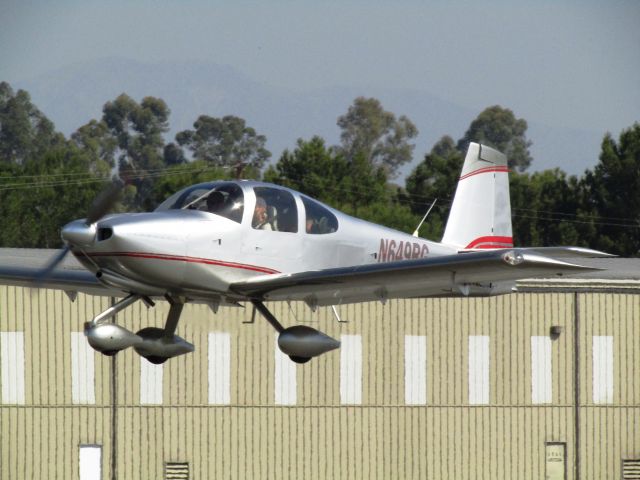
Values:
[(198, 254)]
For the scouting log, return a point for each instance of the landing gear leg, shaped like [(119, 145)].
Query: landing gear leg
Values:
[(114, 309), (268, 316), (174, 316), (300, 342), (109, 338)]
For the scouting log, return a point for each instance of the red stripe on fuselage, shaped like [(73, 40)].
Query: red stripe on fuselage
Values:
[(485, 170), (179, 258), (491, 242)]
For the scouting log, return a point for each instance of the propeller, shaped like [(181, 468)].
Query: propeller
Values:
[(44, 274), (100, 206), (104, 202)]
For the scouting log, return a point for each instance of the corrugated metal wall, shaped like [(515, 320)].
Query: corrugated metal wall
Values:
[(318, 437), (610, 432)]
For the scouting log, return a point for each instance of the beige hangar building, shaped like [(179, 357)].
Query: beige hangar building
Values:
[(544, 383)]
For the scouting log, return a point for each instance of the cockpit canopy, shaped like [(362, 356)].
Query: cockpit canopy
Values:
[(275, 208), (318, 219), (222, 198)]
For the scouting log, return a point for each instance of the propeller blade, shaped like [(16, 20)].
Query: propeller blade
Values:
[(99, 208), (104, 202), (53, 263)]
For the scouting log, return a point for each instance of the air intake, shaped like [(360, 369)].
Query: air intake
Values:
[(176, 471), (630, 469)]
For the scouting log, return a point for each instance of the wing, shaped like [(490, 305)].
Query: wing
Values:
[(21, 267), (470, 274)]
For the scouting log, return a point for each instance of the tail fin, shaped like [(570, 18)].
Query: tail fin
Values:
[(480, 216)]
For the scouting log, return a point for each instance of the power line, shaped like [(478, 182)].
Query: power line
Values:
[(547, 216), (609, 224), (79, 174), (72, 182), (447, 201)]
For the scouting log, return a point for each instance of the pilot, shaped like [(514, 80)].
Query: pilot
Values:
[(215, 202), (260, 218)]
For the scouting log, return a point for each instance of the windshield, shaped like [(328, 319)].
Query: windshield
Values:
[(186, 196), (220, 198)]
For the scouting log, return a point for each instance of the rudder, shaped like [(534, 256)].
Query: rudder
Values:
[(480, 216)]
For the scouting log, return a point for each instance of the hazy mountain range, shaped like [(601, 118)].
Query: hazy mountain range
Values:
[(71, 96)]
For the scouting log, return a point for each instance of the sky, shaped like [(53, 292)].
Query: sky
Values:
[(573, 64)]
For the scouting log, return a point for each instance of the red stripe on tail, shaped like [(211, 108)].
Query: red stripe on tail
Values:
[(491, 242), (485, 170)]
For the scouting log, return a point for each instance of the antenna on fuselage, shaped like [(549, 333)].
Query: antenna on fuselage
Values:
[(415, 232)]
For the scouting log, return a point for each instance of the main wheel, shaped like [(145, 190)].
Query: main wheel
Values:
[(156, 359), (299, 359), (110, 353), (150, 333)]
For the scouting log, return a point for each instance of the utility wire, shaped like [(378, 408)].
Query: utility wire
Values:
[(447, 202), (52, 180), (100, 179)]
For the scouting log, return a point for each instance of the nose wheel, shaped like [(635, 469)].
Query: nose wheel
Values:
[(156, 345)]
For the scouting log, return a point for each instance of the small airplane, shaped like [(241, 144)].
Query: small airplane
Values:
[(235, 242)]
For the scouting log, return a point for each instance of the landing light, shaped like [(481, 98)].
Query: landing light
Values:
[(513, 258)]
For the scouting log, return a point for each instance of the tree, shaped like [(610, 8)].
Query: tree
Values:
[(46, 193), (25, 132), (130, 134), (96, 141), (325, 174), (371, 131), (612, 188), (354, 187), (547, 209), (311, 168), (434, 178), (225, 142), (498, 127), (173, 154), (138, 130)]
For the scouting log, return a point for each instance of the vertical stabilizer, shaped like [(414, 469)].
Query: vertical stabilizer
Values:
[(480, 216)]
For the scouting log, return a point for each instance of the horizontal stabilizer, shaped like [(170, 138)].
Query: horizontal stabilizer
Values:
[(568, 252)]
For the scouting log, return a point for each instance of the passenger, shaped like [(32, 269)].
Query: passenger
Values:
[(215, 202), (260, 218), (311, 225)]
